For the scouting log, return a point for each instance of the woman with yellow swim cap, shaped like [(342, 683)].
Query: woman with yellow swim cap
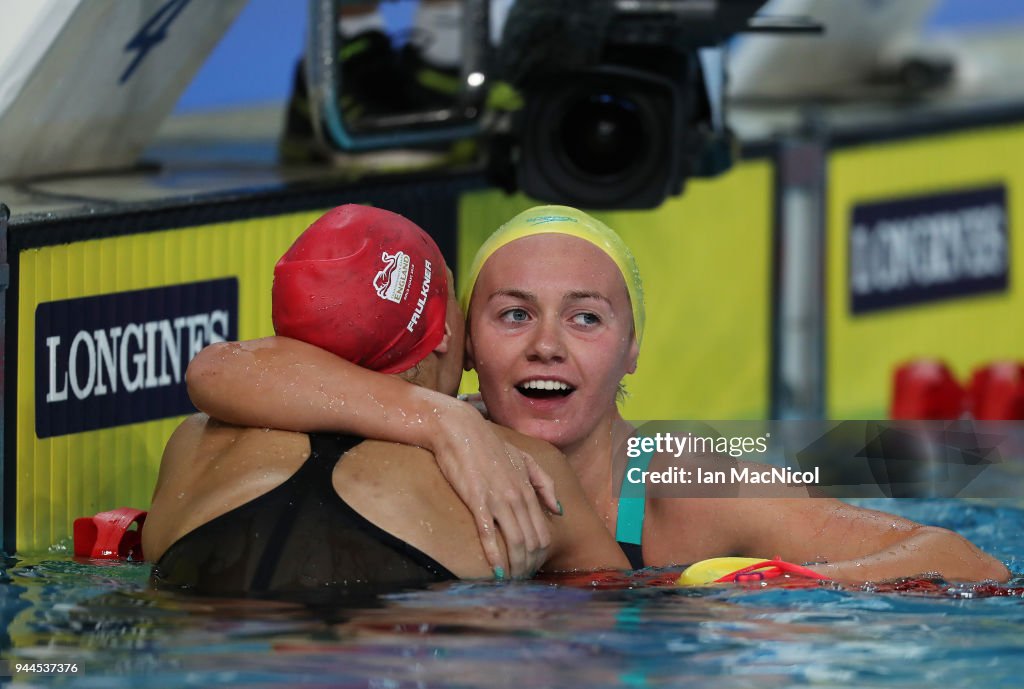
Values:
[(556, 303), (555, 321)]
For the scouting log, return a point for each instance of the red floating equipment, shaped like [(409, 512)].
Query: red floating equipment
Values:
[(106, 536), (996, 392), (925, 389)]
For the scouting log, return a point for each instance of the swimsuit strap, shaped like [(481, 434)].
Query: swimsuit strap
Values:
[(315, 475), (325, 451), (632, 507)]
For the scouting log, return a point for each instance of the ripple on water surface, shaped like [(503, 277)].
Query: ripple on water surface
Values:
[(596, 632)]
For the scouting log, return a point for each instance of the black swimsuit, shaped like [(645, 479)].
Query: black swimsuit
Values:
[(299, 541)]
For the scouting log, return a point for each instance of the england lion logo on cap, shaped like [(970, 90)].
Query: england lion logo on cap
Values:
[(390, 282)]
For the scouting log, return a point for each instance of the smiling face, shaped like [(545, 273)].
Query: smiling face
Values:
[(551, 336)]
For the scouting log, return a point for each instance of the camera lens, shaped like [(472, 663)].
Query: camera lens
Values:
[(602, 134), (600, 138)]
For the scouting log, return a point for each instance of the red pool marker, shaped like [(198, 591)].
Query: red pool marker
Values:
[(925, 389), (107, 535), (996, 391)]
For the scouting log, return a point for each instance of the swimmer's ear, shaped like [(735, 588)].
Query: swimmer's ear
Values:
[(469, 362), (632, 356), (442, 348)]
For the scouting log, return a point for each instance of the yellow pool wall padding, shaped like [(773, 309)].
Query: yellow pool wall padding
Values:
[(863, 350)]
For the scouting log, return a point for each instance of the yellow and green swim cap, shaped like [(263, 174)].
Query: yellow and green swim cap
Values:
[(572, 222)]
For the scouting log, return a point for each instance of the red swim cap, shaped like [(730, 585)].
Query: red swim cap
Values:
[(366, 284)]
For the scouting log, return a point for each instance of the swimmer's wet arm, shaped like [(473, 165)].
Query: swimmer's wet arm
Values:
[(856, 545), (926, 549), (287, 384), (278, 382), (580, 541)]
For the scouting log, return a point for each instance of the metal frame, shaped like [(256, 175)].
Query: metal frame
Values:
[(7, 392), (798, 338), (323, 78)]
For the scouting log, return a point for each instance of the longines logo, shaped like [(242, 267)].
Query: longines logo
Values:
[(121, 358), (919, 249)]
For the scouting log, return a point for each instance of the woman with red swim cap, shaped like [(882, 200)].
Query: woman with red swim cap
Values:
[(555, 320), (248, 511)]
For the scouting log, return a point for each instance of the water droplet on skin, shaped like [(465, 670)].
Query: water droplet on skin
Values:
[(376, 401), (181, 495)]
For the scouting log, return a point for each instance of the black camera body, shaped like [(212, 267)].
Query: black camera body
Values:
[(617, 111)]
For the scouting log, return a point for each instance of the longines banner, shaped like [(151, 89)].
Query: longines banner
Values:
[(120, 358), (924, 248)]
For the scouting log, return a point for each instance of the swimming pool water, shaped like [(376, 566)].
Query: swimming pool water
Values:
[(530, 634)]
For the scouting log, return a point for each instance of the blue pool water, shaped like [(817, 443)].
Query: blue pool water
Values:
[(530, 634)]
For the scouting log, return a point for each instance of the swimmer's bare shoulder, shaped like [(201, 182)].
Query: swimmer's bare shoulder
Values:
[(209, 468), (400, 489), (580, 539)]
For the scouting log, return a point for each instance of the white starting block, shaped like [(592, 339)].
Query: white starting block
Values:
[(84, 84)]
